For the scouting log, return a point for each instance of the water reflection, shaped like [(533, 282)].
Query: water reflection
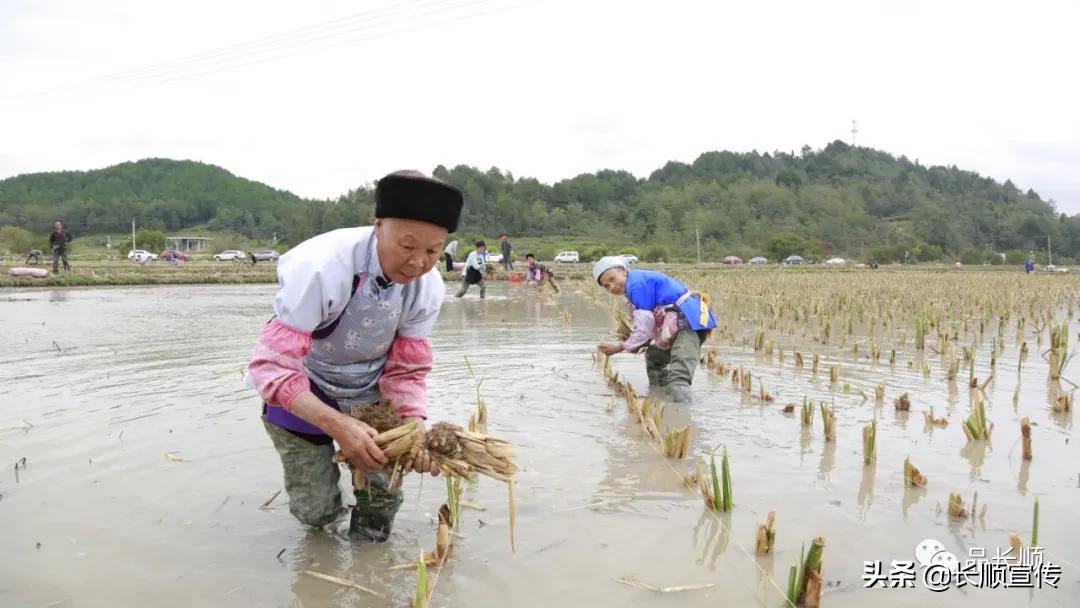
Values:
[(866, 490), (912, 495), (711, 536), (975, 453), (828, 460), (1022, 478)]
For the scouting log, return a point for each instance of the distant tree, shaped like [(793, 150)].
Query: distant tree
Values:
[(784, 244)]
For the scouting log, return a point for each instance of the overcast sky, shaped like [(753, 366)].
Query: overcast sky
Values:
[(544, 88)]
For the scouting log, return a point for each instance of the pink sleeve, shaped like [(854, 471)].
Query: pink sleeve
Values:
[(644, 330), (276, 367), (403, 379)]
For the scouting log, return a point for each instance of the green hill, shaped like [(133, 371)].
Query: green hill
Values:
[(840, 200)]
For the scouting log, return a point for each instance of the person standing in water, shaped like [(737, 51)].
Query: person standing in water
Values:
[(475, 267), (507, 253), (352, 319), (665, 312), (449, 254)]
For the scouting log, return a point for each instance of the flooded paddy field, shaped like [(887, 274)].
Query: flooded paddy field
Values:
[(146, 466)]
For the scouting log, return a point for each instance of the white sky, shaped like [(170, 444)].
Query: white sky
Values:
[(544, 88)]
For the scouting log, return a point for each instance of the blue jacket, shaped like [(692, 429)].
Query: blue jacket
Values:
[(647, 289)]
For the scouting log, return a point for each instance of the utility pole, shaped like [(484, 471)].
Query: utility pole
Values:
[(133, 234), (854, 130), (697, 232)]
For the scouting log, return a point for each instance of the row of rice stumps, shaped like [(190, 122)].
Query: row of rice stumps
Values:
[(461, 454), (715, 486)]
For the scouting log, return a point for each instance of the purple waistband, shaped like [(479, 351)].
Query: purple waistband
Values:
[(281, 417)]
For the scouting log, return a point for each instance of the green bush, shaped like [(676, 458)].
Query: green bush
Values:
[(594, 254), (17, 240), (656, 253)]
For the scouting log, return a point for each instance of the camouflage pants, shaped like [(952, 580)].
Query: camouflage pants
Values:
[(311, 481), (675, 367)]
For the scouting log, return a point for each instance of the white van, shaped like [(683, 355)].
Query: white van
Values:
[(568, 257)]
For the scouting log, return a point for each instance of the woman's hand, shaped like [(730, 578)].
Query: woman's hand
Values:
[(423, 463), (358, 444), (610, 349)]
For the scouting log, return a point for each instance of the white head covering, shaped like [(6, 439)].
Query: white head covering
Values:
[(606, 263)]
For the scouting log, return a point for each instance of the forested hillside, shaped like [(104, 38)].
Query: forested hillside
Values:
[(840, 200)]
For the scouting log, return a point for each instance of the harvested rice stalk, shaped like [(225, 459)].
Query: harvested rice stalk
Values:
[(693, 478), (798, 360), (804, 579), (879, 392), (812, 582), (869, 434), (828, 421), (460, 453), (423, 590), (956, 506), (677, 442), (976, 427), (913, 478), (725, 472), (1015, 544), (717, 495), (1025, 432), (766, 534), (903, 403), (931, 420), (834, 374), (807, 412), (815, 364), (400, 444)]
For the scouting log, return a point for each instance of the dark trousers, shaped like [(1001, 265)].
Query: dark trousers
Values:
[(57, 255), (449, 261)]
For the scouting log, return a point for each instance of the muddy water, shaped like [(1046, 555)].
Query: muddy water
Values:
[(99, 385)]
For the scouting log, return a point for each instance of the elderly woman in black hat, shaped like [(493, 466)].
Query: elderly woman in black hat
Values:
[(352, 319)]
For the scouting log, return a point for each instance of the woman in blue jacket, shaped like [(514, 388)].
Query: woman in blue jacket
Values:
[(666, 313)]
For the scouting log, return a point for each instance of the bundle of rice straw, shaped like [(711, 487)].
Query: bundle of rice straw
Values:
[(399, 442), (461, 453), (623, 328)]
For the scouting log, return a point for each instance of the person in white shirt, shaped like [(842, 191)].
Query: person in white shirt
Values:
[(449, 254), (475, 267)]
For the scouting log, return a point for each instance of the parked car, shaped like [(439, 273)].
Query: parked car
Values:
[(794, 259), (836, 261), (630, 259), (568, 257), (266, 255), (230, 254), (493, 258), (733, 260), (171, 254), (758, 261), (141, 255)]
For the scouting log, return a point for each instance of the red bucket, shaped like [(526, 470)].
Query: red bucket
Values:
[(515, 277)]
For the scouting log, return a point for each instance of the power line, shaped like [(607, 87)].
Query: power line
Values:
[(280, 40), (287, 44), (350, 41)]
